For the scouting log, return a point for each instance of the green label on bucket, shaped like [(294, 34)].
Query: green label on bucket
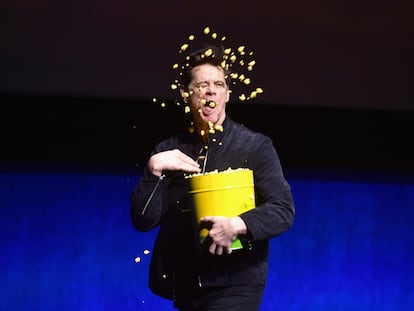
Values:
[(236, 244)]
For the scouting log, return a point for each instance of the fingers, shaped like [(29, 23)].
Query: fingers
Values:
[(220, 234), (185, 158), (172, 160), (215, 249), (183, 162), (219, 250)]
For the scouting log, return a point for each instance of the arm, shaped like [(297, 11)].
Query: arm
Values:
[(147, 199), (275, 211)]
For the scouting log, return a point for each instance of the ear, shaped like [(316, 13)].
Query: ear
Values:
[(228, 96)]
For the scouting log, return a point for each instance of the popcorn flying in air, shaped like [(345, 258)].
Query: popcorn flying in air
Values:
[(238, 61)]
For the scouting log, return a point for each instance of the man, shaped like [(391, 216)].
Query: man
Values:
[(215, 278)]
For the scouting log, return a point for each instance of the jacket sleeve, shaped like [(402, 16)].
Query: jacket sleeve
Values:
[(275, 211), (147, 202)]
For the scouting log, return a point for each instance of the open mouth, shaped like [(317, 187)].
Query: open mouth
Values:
[(207, 107), (210, 104)]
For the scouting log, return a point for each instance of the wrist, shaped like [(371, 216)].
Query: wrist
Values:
[(239, 225), (154, 169)]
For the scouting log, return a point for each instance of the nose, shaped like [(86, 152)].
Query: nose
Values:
[(211, 89)]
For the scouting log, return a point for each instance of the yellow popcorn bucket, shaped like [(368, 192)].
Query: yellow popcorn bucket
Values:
[(227, 193)]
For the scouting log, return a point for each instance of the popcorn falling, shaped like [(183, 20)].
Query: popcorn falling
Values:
[(138, 259)]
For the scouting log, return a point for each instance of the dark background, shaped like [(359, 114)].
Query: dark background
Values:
[(77, 78), (342, 53), (84, 132)]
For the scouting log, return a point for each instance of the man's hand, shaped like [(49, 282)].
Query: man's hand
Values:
[(172, 160), (222, 232)]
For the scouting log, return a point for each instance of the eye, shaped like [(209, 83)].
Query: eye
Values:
[(202, 84), (220, 83)]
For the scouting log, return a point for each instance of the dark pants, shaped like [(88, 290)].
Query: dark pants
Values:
[(235, 298)]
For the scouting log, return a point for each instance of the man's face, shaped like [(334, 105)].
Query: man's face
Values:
[(208, 95)]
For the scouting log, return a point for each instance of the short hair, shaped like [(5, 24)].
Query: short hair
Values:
[(210, 54)]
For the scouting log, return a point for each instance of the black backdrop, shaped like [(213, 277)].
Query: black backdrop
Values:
[(342, 53), (121, 133), (77, 78)]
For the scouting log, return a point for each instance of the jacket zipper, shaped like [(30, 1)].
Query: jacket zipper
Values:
[(161, 178)]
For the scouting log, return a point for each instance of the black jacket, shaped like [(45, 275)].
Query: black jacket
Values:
[(178, 264)]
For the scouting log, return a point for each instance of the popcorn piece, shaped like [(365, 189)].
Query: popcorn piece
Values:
[(211, 127), (218, 128), (208, 52), (212, 104), (246, 81), (184, 47)]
